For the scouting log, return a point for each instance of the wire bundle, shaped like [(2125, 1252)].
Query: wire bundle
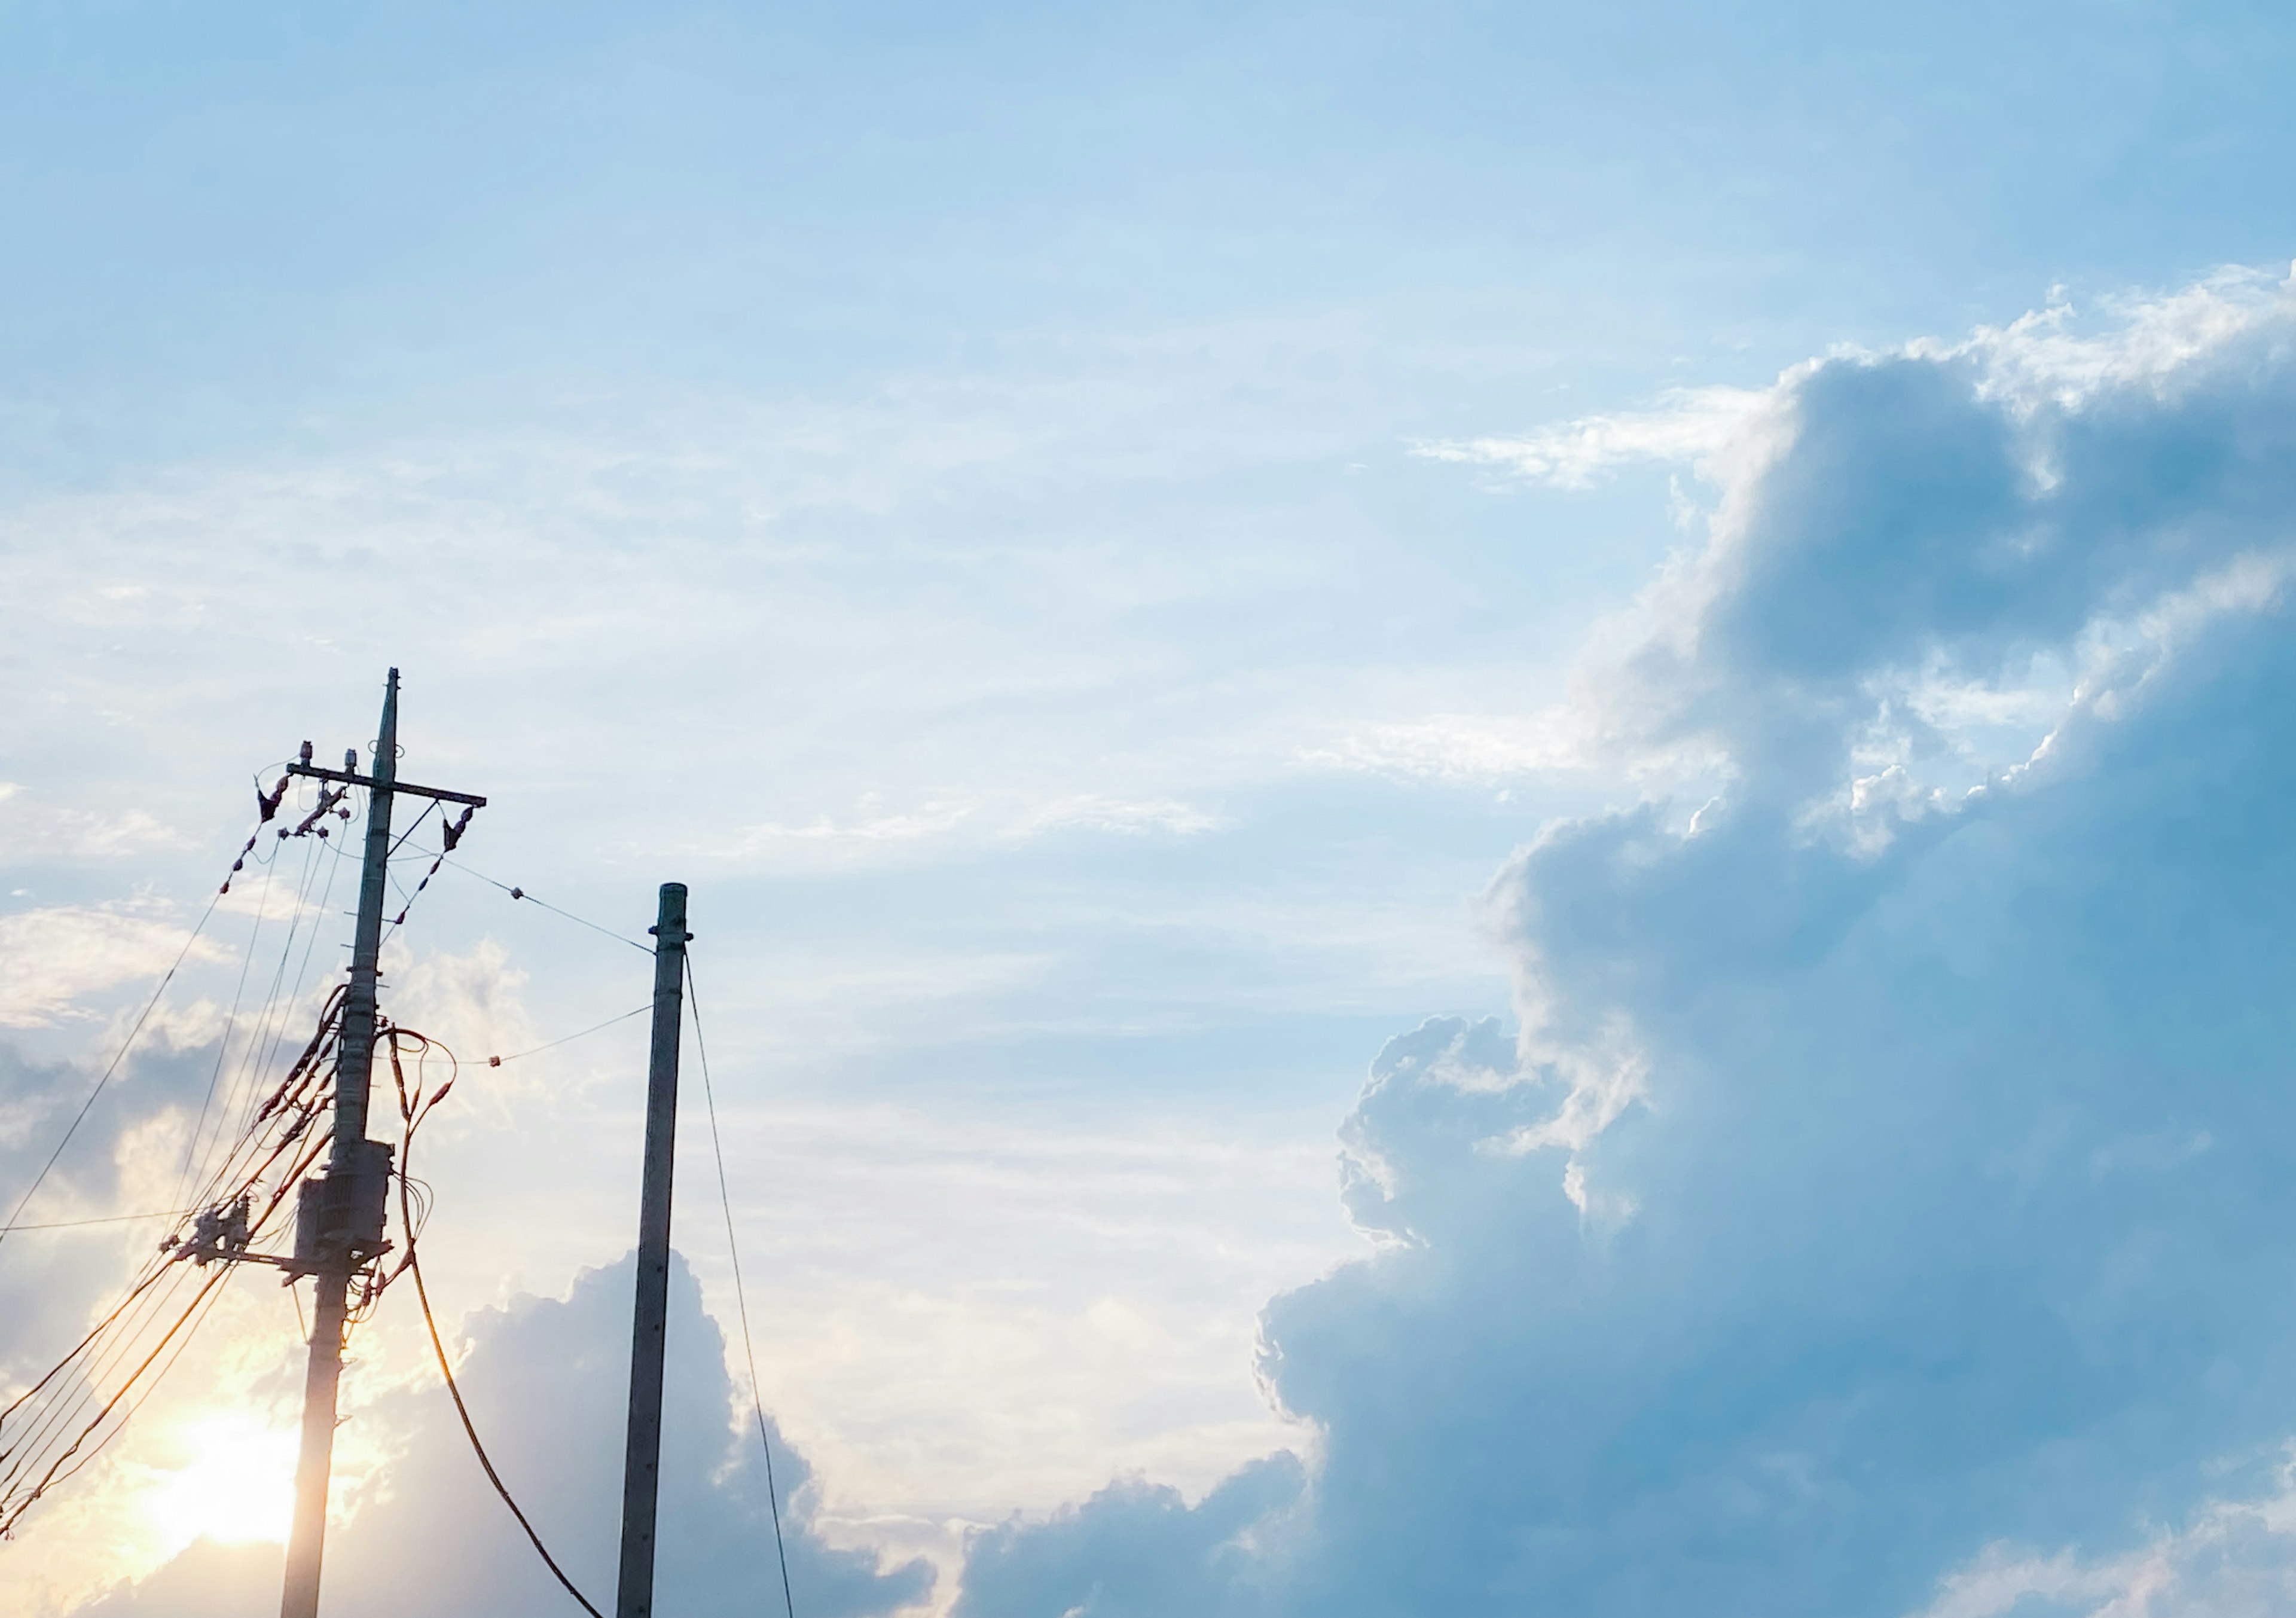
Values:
[(55, 1427), (264, 1142), (59, 1424)]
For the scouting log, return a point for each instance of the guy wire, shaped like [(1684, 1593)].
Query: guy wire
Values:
[(741, 1297)]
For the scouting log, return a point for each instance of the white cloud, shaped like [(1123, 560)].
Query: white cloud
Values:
[(1695, 425), (874, 831), (546, 1378), (51, 959), (33, 829), (1920, 1102), (1588, 734), (2234, 1559), (2147, 344), (870, 824), (1092, 812)]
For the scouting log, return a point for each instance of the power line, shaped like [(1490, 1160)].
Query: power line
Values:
[(31, 1460), (303, 969), (230, 1022), (108, 1219), (545, 904), (47, 1433), (741, 1297), (259, 1048), (412, 1115), (111, 1068), (570, 1039), (478, 1449)]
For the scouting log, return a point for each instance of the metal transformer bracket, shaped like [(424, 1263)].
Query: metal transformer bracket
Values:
[(339, 1215)]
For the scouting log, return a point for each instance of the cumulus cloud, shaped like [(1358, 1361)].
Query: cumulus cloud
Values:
[(1889, 1169), (1135, 1547), (547, 1379)]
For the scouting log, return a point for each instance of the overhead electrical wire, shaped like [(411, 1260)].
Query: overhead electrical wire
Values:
[(72, 1408), (253, 1052), (62, 1421), (516, 893), (570, 1039), (111, 1067), (740, 1296), (230, 1022), (413, 1109), (278, 1009), (303, 970), (263, 1050), (81, 1378), (108, 1219)]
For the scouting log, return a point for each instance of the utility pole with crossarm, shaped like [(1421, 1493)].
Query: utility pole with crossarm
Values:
[(341, 1213)]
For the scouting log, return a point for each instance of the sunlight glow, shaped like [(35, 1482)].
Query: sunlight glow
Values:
[(237, 1483)]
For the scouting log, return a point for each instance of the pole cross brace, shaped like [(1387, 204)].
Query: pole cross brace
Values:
[(353, 779)]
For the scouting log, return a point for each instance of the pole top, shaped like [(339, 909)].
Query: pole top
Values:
[(668, 930), (386, 741)]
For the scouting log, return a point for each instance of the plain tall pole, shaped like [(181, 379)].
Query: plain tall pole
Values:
[(641, 1467), (354, 1066)]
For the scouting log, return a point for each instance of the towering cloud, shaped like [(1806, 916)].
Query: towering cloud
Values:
[(1886, 1205)]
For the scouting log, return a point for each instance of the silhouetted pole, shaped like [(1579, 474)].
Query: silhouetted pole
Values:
[(641, 1468), (339, 1214), (352, 1158)]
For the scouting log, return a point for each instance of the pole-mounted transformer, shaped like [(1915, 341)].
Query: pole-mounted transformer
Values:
[(341, 1213)]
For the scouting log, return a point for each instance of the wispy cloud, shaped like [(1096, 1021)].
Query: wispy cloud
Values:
[(1687, 425), (874, 830), (36, 830), (1095, 812), (53, 960)]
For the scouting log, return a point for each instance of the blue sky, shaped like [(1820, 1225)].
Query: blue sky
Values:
[(1132, 559)]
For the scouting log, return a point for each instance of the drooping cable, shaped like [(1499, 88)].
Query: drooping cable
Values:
[(414, 1267), (411, 1110), (570, 1039), (740, 1295)]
